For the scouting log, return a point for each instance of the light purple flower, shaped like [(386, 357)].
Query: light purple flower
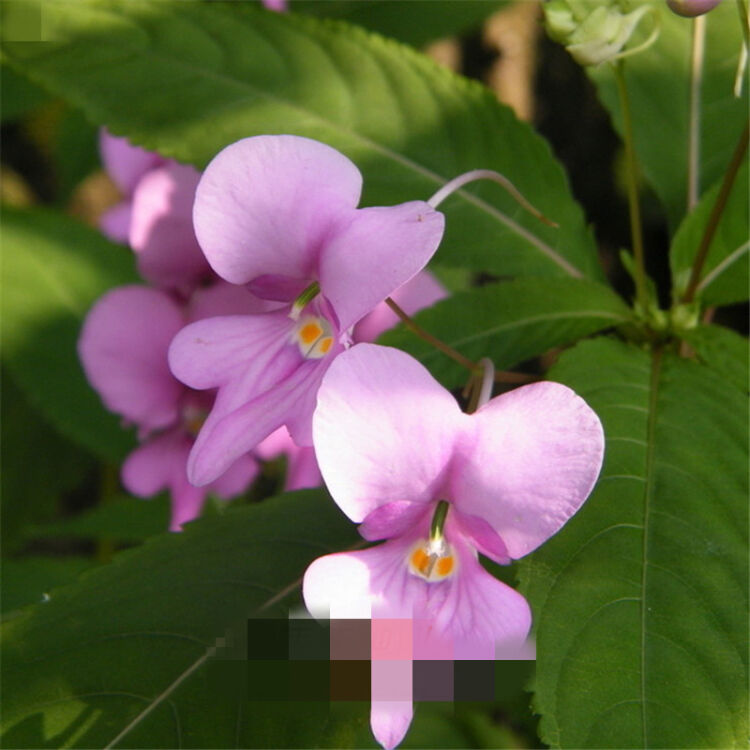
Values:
[(155, 216), (123, 348), (279, 214), (440, 486)]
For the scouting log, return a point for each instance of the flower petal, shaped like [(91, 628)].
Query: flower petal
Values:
[(373, 252), (114, 223), (159, 464), (421, 292), (125, 163), (534, 459), (161, 228), (469, 613), (302, 467), (243, 416), (236, 479), (266, 204), (123, 349), (390, 721), (221, 298), (384, 430)]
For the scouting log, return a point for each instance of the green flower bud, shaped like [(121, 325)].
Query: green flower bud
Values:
[(597, 31)]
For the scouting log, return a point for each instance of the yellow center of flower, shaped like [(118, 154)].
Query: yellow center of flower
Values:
[(432, 560), (314, 336)]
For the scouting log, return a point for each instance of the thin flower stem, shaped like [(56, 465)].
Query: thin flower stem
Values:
[(471, 366), (713, 220), (632, 178), (488, 174), (414, 327), (696, 80)]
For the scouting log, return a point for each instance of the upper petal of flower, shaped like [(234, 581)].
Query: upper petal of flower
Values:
[(422, 291), (115, 222), (124, 162), (384, 430), (534, 458), (265, 205), (373, 252), (161, 227), (221, 298), (123, 348)]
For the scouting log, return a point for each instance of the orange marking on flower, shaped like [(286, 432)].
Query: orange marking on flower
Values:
[(444, 566), (420, 560), (310, 333), (325, 345)]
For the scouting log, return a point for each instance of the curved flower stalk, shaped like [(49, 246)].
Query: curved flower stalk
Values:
[(279, 214), (123, 349), (155, 216), (439, 487)]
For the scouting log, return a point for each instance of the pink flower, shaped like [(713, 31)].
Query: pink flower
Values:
[(440, 486), (123, 348), (155, 217), (279, 214)]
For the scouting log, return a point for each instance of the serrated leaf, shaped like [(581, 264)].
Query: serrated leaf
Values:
[(658, 88), (128, 656), (53, 270), (186, 79), (640, 603), (723, 350), (725, 272), (415, 22), (509, 322)]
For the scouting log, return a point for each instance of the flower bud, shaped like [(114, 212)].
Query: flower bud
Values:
[(597, 32), (692, 8)]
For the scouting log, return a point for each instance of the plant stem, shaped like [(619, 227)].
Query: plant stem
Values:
[(696, 79), (473, 367), (632, 181), (430, 339), (713, 220)]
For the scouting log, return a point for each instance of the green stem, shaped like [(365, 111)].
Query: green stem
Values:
[(636, 232), (696, 80), (713, 220), (473, 367)]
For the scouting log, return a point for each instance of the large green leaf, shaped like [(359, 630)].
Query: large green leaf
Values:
[(53, 270), (725, 272), (39, 465), (510, 322), (640, 603), (187, 79), (724, 350), (412, 21), (128, 656), (658, 87)]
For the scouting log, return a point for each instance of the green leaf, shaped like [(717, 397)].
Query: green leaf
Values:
[(126, 519), (186, 79), (725, 272), (415, 22), (658, 81), (53, 270), (640, 602), (29, 579), (129, 656), (18, 95), (509, 322), (724, 350), (38, 466)]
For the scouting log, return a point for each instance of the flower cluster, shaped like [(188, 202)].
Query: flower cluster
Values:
[(267, 349)]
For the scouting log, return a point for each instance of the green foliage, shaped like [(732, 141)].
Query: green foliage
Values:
[(658, 81), (18, 95), (38, 466), (509, 322), (725, 272), (53, 270), (130, 652), (640, 602), (415, 22), (724, 350), (187, 79)]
